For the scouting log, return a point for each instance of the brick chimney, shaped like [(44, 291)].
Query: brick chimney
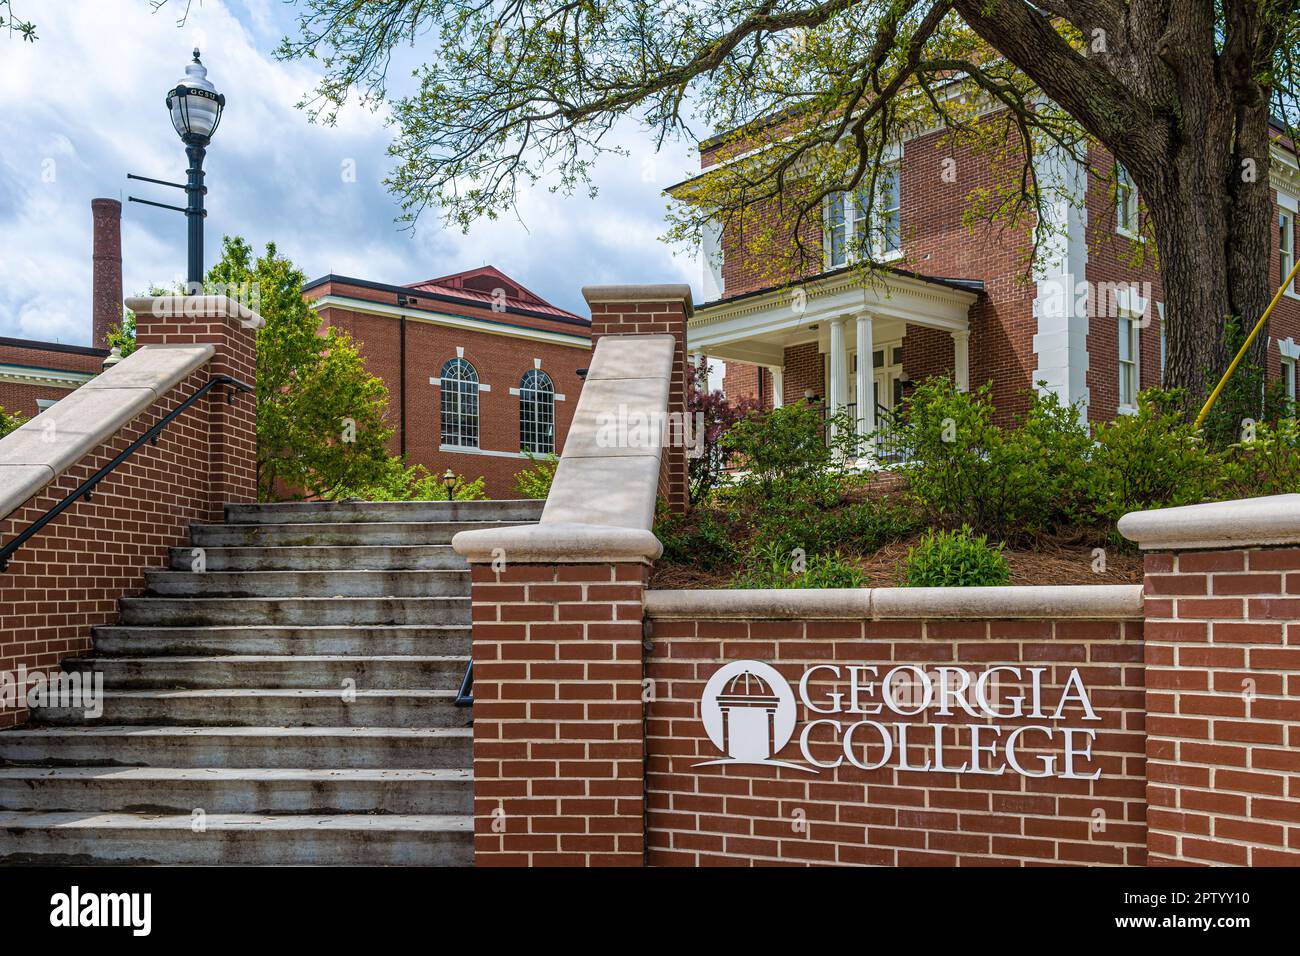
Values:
[(106, 299)]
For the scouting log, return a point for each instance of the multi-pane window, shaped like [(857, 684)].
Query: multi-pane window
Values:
[(1126, 202), (1288, 377), (1285, 244), (1128, 360), (459, 388), (847, 237), (537, 413)]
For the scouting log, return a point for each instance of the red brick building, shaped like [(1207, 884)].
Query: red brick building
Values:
[(974, 303), (480, 371)]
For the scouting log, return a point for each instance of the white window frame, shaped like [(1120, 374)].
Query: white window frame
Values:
[(1127, 222), (466, 389), (1130, 328), (1285, 249), (1288, 376), (537, 413), (844, 211)]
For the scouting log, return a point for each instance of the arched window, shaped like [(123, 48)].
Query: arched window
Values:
[(459, 404), (537, 413)]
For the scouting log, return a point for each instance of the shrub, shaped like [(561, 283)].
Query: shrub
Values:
[(955, 559), (535, 480), (1266, 464), (714, 414), (1014, 483), (1152, 459), (771, 567), (9, 421), (398, 482), (786, 449), (701, 539)]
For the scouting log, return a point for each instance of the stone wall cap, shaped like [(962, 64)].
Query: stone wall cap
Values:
[(1274, 519), (195, 306), (48, 444), (661, 292), (557, 543), (1082, 601)]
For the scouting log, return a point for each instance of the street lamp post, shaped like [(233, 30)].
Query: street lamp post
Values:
[(195, 107)]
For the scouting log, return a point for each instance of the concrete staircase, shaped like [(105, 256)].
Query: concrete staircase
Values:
[(292, 703)]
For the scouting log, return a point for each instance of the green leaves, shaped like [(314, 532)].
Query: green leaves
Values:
[(320, 415), (955, 559)]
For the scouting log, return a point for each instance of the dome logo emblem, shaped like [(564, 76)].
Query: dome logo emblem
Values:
[(748, 710)]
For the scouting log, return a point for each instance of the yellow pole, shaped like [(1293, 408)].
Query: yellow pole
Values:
[(1209, 402)]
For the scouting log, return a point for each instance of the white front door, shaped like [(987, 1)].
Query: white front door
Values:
[(888, 365)]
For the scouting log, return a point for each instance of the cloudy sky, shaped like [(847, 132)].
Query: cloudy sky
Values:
[(83, 106)]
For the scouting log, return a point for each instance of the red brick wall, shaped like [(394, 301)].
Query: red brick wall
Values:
[(749, 815), (558, 734), (69, 577), (804, 370), (500, 361), (1223, 672), (21, 397)]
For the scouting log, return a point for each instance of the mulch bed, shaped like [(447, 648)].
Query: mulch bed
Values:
[(1062, 559)]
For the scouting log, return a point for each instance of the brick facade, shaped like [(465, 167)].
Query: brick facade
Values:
[(68, 578), (936, 179), (497, 348), (43, 371), (1223, 677)]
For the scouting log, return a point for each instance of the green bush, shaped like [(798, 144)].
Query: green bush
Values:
[(702, 539), (1151, 459), (786, 448), (1013, 483), (768, 566), (1266, 464), (398, 482), (955, 559), (9, 421), (535, 480)]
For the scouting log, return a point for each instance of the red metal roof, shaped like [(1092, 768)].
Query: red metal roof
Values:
[(480, 286)]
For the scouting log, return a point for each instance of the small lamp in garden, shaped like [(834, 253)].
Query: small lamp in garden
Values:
[(450, 481)]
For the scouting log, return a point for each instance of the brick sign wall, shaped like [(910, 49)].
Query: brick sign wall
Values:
[(744, 814)]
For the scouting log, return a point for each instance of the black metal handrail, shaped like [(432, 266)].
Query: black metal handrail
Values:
[(465, 696), (86, 488)]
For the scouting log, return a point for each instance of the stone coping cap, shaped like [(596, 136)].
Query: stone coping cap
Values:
[(195, 306), (1219, 524), (43, 447), (662, 292), (1081, 601), (557, 543)]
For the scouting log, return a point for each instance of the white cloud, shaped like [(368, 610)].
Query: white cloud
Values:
[(84, 106)]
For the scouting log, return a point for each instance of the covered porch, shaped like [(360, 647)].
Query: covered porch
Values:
[(813, 333)]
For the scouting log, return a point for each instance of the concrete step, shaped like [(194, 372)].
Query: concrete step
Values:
[(383, 641), (164, 790), (197, 612), (518, 511), (308, 583), (105, 745), (237, 839), (326, 533), (415, 557), (300, 671), (273, 707)]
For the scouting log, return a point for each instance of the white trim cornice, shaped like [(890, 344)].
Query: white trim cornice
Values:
[(452, 321)]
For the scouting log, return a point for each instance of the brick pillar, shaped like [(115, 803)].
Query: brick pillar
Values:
[(106, 269), (1223, 685), (559, 752), (229, 328), (643, 310)]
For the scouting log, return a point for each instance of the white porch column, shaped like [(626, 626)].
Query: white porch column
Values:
[(838, 391), (778, 386), (961, 360), (865, 396)]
